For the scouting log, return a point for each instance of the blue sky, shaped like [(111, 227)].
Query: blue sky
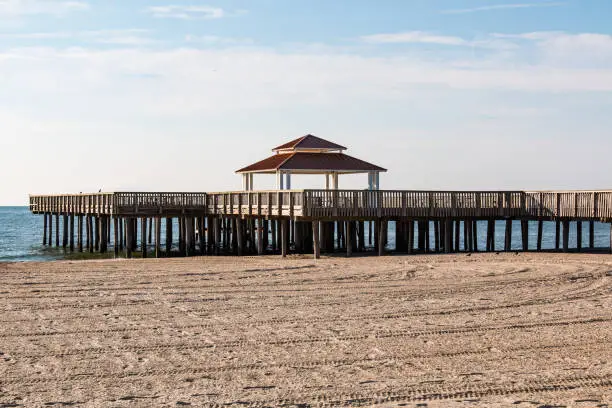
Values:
[(176, 95)]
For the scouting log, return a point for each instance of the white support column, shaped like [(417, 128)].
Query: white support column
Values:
[(370, 181), (335, 176), (288, 180), (245, 182), (279, 180), (327, 181), (377, 177), (250, 181)]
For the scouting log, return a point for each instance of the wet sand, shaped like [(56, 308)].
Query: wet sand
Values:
[(525, 330)]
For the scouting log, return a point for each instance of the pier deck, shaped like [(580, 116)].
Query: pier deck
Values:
[(236, 220)]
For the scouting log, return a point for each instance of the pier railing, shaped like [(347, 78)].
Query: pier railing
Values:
[(339, 203)]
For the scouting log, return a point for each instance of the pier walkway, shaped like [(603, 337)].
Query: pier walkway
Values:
[(283, 221)]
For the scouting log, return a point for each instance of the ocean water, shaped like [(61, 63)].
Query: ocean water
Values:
[(21, 236)]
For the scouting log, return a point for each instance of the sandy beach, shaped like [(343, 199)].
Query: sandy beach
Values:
[(525, 330)]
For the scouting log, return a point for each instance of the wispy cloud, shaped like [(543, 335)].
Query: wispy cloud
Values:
[(217, 40), (54, 7), (188, 12), (503, 7), (131, 36), (417, 37), (421, 37)]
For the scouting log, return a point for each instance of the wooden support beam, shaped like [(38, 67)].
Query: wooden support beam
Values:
[(57, 230), (285, 237), (348, 239), (427, 236), (44, 229), (240, 236), (189, 236), (143, 236), (121, 234), (89, 233), (591, 234), (96, 232), (50, 235), (493, 227), (410, 236), (381, 224), (210, 236), (611, 238), (466, 236), (168, 235), (103, 233), (525, 234), (65, 231), (158, 237), (274, 240), (489, 238), (117, 239), (508, 237), (202, 233), (217, 231), (566, 227), (353, 235), (557, 233), (361, 242), (108, 230), (234, 242), (579, 236), (448, 235), (80, 233), (181, 236), (150, 231), (134, 242), (540, 234), (436, 236), (71, 243), (129, 232), (260, 234), (457, 235), (475, 235), (316, 240)]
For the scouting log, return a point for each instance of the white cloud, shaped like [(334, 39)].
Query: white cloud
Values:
[(216, 40), (187, 12), (503, 7), (560, 48), (132, 36), (421, 37), (54, 7), (414, 37)]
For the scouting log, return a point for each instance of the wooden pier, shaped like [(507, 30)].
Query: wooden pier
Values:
[(284, 221)]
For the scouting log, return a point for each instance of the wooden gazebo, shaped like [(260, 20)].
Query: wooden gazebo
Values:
[(310, 155)]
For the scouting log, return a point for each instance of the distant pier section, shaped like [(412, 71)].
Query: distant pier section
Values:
[(328, 220)]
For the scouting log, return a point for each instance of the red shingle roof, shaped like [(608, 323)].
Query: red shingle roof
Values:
[(309, 142), (300, 161)]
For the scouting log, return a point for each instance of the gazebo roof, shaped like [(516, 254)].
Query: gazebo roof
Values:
[(308, 142), (308, 162)]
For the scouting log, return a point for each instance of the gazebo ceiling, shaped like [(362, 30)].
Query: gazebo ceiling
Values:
[(311, 163)]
